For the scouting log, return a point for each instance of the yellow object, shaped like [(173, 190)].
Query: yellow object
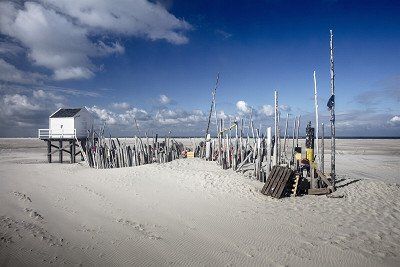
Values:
[(310, 154), (298, 156), (190, 154)]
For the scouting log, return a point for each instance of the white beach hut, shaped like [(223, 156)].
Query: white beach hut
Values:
[(68, 123)]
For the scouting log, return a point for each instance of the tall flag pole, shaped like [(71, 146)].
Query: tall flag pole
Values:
[(331, 106)]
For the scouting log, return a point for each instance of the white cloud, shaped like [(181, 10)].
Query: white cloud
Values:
[(133, 18), (104, 115), (72, 73), (221, 115), (22, 112), (19, 103), (53, 41), (267, 110), (243, 107), (171, 117), (395, 121), (63, 36), (126, 118), (45, 95), (10, 73), (165, 100)]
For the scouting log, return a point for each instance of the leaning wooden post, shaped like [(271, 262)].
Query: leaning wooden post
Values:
[(214, 91), (317, 155), (331, 105)]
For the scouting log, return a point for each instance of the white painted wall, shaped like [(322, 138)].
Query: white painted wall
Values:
[(61, 126), (83, 122)]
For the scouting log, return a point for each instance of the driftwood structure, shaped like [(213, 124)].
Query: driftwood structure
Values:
[(267, 159), (105, 153)]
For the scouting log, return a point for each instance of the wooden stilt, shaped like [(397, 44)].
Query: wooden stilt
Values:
[(49, 151), (60, 155)]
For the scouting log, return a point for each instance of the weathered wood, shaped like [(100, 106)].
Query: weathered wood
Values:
[(324, 178), (49, 151), (60, 155), (295, 184), (319, 191), (277, 181)]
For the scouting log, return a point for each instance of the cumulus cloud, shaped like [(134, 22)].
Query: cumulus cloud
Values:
[(395, 121), (243, 107), (267, 110), (126, 118), (103, 114), (63, 36), (22, 114), (221, 115)]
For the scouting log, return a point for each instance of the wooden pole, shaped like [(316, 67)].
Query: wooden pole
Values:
[(323, 148), (317, 155), (269, 139), (333, 130), (60, 154), (49, 151), (214, 91), (293, 137), (284, 138), (276, 128), (297, 130)]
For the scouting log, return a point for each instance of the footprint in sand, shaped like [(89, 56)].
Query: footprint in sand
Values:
[(33, 214), (22, 196)]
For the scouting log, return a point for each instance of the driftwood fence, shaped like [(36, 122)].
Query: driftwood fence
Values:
[(244, 149), (105, 153)]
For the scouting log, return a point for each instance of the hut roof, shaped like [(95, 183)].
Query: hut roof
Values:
[(65, 113)]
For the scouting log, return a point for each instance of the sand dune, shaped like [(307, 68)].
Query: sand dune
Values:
[(190, 212)]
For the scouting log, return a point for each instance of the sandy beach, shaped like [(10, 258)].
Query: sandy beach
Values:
[(191, 212)]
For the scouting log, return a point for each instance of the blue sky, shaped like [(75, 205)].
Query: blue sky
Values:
[(157, 62)]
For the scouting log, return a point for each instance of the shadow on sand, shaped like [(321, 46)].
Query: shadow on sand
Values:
[(348, 183)]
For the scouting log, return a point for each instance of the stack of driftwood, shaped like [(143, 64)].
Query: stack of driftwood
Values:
[(267, 158), (104, 153)]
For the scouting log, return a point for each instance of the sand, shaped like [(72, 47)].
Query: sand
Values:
[(191, 212)]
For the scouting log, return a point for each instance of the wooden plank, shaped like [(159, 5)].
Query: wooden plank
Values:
[(319, 191), (282, 182), (277, 181), (269, 180), (323, 177), (274, 181)]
